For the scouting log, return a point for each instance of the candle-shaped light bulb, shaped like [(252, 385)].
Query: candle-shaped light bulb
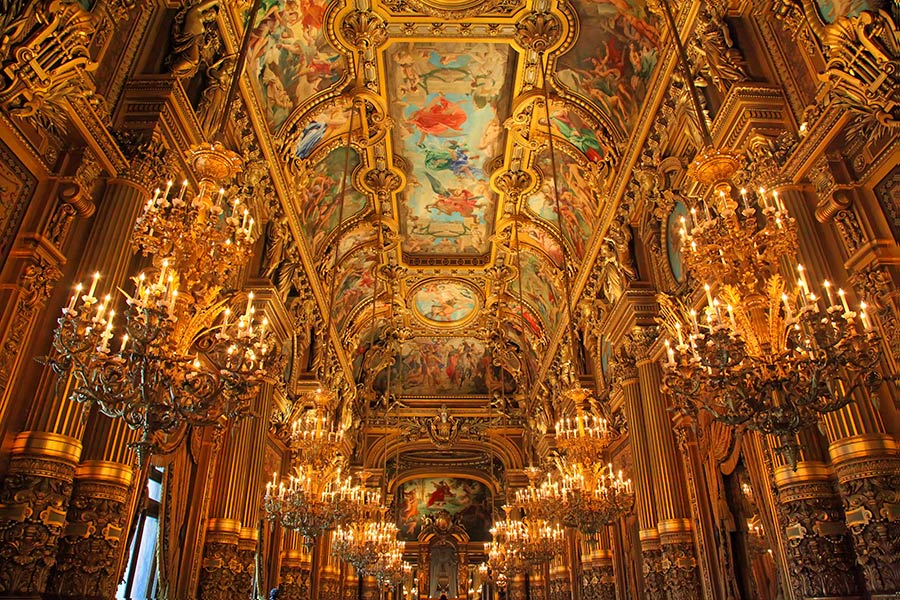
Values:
[(183, 188), (843, 296), (709, 298), (249, 305), (74, 298), (827, 286), (94, 281), (864, 317), (744, 198), (124, 342)]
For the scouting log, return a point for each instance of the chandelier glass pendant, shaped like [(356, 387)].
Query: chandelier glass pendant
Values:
[(763, 353), (181, 358)]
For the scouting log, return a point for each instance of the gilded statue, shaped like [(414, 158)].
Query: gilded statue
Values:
[(617, 266), (190, 38), (212, 103)]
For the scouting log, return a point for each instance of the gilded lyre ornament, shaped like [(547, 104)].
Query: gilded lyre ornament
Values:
[(44, 56)]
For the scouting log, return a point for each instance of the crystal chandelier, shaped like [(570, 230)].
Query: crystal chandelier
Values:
[(542, 501), (389, 569), (315, 441), (312, 500), (503, 549), (542, 540), (593, 495), (183, 360), (586, 437), (363, 540), (764, 353)]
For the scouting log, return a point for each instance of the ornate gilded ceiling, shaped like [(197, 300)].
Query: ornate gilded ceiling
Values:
[(449, 170)]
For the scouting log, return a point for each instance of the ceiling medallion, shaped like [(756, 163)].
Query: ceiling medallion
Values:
[(445, 302)]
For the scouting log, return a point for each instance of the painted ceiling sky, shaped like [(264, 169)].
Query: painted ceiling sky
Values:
[(451, 153)]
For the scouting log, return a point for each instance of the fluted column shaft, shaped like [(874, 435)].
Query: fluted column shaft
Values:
[(672, 505), (54, 417), (645, 504)]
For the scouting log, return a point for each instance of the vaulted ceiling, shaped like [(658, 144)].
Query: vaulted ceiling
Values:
[(449, 171)]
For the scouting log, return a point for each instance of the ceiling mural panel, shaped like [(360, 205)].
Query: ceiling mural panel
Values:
[(330, 122), (612, 66), (445, 302), (441, 365), (320, 198), (448, 108), (539, 286), (354, 285), (577, 199), (292, 57)]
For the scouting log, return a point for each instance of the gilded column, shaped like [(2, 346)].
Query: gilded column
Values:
[(626, 377), (329, 577), (223, 573), (672, 508), (34, 499), (820, 558), (295, 569), (55, 423), (221, 566), (867, 465), (537, 586), (517, 588), (598, 581), (864, 456), (91, 546), (370, 588)]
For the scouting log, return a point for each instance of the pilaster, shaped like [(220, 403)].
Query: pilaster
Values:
[(222, 567)]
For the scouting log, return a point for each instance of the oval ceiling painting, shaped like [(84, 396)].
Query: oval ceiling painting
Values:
[(445, 302)]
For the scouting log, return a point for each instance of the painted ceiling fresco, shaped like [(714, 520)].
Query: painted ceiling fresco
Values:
[(452, 114), (320, 199), (293, 60), (466, 500), (448, 103), (441, 365), (612, 65)]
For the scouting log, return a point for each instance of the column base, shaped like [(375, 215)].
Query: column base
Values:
[(90, 547), (222, 565), (870, 492), (817, 543), (294, 575), (34, 500), (654, 580)]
